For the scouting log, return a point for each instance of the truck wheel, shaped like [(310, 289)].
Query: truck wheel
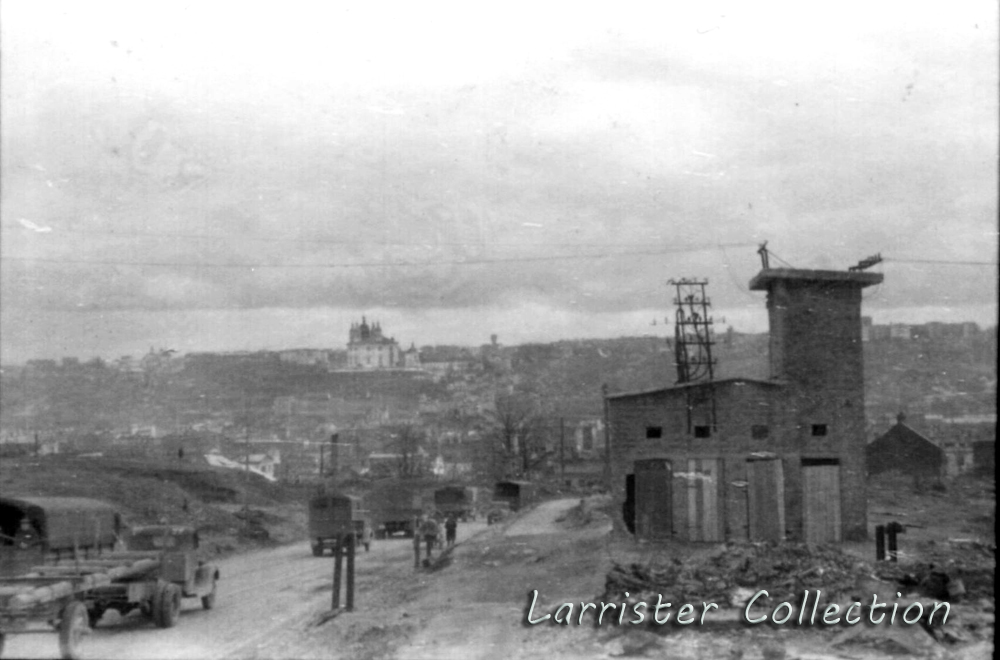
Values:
[(208, 600), (94, 616), (167, 605), (73, 627)]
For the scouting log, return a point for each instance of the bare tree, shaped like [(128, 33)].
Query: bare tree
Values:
[(407, 441), (517, 433)]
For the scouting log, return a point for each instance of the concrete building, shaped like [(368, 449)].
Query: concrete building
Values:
[(742, 458)]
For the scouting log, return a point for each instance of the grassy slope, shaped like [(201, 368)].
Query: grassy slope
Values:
[(148, 492)]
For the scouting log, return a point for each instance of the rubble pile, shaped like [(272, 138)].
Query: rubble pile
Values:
[(736, 571)]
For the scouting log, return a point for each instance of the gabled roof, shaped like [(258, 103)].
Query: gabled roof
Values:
[(902, 431), (704, 383)]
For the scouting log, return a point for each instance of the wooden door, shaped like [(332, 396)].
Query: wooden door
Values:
[(821, 497), (653, 516), (766, 500), (704, 516)]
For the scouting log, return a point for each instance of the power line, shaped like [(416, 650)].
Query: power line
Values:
[(450, 262), (942, 261), (313, 240)]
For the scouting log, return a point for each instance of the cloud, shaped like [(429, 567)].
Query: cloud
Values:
[(337, 172)]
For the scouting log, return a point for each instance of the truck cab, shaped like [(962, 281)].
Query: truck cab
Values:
[(178, 546)]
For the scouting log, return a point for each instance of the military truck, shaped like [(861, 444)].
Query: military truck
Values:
[(455, 501), (75, 582), (180, 573), (395, 506), (33, 529), (336, 515)]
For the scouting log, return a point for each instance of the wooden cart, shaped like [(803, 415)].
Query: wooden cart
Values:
[(39, 602)]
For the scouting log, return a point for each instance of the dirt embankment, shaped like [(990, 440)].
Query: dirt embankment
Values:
[(234, 511)]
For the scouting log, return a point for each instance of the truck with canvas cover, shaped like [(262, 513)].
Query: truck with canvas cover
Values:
[(333, 516), (517, 494), (33, 528), (455, 502), (395, 506)]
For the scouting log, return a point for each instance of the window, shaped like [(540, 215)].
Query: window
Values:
[(819, 429), (653, 432), (759, 432), (703, 431)]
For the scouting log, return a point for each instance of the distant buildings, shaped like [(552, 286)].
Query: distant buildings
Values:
[(306, 357), (934, 330)]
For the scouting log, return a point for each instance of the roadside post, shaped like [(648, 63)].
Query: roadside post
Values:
[(343, 546), (350, 572), (416, 546), (337, 565)]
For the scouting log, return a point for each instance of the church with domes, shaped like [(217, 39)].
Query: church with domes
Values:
[(368, 348)]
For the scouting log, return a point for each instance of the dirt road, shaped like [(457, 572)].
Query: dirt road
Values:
[(267, 607)]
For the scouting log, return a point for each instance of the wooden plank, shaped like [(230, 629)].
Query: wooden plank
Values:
[(821, 497), (691, 490), (710, 499), (766, 500)]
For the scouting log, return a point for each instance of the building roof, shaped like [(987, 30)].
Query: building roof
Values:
[(905, 434), (765, 278), (60, 503), (703, 383)]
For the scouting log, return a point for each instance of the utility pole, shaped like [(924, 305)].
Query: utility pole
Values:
[(246, 457), (562, 445), (607, 438)]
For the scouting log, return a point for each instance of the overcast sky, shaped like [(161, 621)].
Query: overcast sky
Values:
[(257, 176)]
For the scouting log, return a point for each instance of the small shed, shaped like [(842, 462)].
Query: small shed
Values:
[(516, 493), (904, 449)]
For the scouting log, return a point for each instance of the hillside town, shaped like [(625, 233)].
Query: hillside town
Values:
[(424, 332)]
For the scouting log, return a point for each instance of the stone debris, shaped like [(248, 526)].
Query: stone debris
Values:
[(735, 572)]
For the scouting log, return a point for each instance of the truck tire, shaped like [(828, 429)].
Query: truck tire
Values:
[(74, 626), (94, 616), (208, 600), (166, 605)]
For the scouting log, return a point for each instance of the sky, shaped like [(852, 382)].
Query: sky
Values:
[(222, 176)]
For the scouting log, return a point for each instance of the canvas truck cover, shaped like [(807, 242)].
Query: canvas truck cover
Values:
[(62, 523), (333, 514), (451, 498)]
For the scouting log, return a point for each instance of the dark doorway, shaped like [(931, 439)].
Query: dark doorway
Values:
[(653, 499), (628, 507)]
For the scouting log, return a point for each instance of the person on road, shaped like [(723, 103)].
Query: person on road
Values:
[(450, 527), (25, 537), (429, 530)]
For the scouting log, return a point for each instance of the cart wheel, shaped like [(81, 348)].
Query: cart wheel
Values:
[(208, 600), (167, 605), (73, 627)]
